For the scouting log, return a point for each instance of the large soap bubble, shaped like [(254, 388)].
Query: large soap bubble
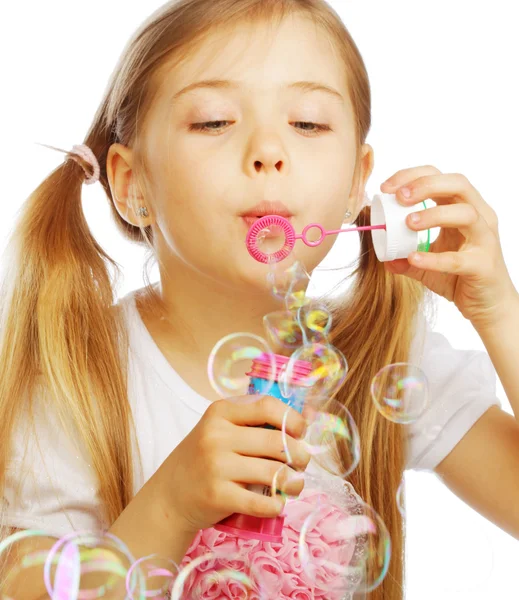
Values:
[(329, 370), (231, 360), (400, 392), (344, 546)]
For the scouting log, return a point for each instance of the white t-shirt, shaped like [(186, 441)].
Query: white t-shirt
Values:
[(58, 488)]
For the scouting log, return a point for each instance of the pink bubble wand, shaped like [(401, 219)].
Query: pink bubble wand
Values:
[(269, 221)]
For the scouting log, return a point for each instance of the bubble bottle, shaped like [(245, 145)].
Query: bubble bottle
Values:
[(263, 382)]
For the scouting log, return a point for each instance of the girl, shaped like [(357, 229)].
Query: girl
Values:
[(108, 418)]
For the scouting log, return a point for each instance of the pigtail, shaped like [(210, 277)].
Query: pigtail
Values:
[(61, 333), (373, 328)]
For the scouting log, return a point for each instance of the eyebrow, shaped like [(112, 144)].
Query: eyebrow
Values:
[(225, 84)]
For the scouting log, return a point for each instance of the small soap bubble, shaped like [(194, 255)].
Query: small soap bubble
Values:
[(315, 321), (297, 292), (286, 482), (284, 281), (400, 392), (328, 372), (231, 360), (283, 332), (220, 573), (156, 573), (343, 546)]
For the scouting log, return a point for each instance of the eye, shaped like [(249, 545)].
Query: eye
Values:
[(210, 126), (318, 127), (205, 126)]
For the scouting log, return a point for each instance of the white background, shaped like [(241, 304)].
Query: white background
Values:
[(444, 84)]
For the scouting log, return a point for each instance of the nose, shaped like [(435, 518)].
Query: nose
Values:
[(259, 164)]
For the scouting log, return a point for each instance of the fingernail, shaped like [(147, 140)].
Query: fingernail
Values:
[(406, 192), (415, 218)]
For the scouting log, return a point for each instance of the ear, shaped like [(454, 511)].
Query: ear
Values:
[(363, 173), (123, 186)]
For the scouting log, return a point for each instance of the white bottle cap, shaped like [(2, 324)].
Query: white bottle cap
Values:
[(397, 240)]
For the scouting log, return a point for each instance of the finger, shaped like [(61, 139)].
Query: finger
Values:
[(455, 263), (446, 188), (463, 217), (269, 473), (261, 410), (270, 443), (243, 501), (405, 176)]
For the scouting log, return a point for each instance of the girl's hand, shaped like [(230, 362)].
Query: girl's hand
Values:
[(204, 479), (465, 263)]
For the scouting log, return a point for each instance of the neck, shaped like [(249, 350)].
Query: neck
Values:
[(197, 312)]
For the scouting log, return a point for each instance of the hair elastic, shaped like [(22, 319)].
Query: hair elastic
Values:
[(87, 155)]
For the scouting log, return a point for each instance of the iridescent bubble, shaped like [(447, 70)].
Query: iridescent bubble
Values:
[(32, 545), (329, 370), (315, 321), (155, 574), (231, 360), (332, 439), (219, 573), (400, 392), (68, 574), (284, 281), (70, 558), (80, 553), (283, 332), (286, 483), (344, 546), (297, 293)]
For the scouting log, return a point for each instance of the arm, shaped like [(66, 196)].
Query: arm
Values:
[(145, 526), (483, 468), (501, 339)]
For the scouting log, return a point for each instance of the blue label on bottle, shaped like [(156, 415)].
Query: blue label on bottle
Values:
[(271, 388)]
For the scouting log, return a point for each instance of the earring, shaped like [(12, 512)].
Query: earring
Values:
[(348, 214), (143, 212)]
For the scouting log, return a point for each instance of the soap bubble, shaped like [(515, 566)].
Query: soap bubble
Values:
[(315, 321), (88, 552), (332, 438), (329, 370), (296, 297), (400, 392), (231, 360), (287, 281), (286, 481), (155, 573), (344, 546), (71, 557), (283, 331), (220, 573)]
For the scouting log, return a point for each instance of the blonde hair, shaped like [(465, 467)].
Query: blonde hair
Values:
[(62, 329)]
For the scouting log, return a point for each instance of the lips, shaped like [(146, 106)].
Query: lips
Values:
[(267, 208)]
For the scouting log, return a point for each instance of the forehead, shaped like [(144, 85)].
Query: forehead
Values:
[(260, 58)]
